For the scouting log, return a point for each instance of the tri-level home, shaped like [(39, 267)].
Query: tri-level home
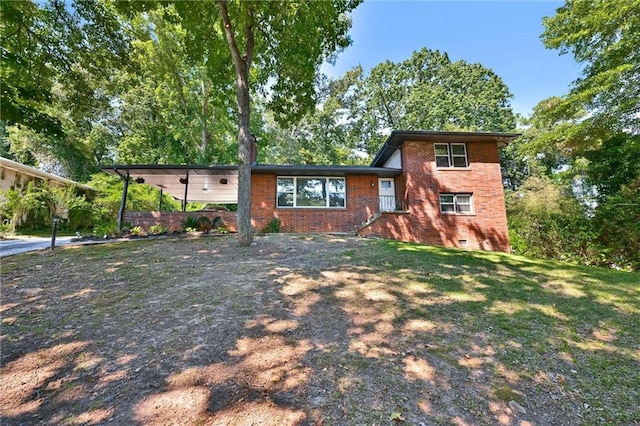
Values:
[(440, 188)]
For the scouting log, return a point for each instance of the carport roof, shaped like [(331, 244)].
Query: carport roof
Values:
[(219, 184)]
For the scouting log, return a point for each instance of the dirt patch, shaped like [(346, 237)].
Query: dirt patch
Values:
[(289, 331)]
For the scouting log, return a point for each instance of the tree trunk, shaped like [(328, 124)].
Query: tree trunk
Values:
[(245, 231), (242, 63), (204, 117)]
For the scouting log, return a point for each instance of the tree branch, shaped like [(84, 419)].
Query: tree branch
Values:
[(228, 32)]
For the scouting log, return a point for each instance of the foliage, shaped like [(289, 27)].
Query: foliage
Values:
[(33, 207), (157, 230), (324, 136), (547, 222), (217, 221), (190, 222), (106, 229), (273, 227), (176, 109), (603, 37), (58, 59), (220, 230), (617, 221), (614, 164), (204, 224), (140, 197), (138, 231), (428, 91), (271, 47)]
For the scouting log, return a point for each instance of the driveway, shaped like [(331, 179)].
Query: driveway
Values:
[(23, 244)]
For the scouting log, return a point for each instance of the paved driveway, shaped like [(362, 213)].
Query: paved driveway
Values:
[(23, 244)]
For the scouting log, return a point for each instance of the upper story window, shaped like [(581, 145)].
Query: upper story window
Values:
[(310, 192), (451, 155), (455, 203)]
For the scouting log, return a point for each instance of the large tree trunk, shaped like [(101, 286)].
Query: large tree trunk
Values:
[(245, 231), (242, 63)]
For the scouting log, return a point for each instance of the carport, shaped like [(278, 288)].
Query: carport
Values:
[(198, 184)]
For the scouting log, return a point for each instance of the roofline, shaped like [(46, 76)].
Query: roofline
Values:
[(323, 170), (397, 137), (283, 169), (166, 167), (32, 171)]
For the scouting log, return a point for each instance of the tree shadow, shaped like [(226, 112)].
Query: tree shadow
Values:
[(312, 329)]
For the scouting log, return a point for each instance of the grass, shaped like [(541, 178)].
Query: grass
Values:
[(547, 322), (374, 327)]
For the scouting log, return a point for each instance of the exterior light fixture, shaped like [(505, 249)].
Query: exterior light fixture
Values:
[(223, 181)]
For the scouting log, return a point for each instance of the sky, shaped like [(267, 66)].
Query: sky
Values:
[(501, 35)]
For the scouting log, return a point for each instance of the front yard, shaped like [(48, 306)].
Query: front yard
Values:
[(309, 329)]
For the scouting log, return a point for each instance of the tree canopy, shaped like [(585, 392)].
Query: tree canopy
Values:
[(603, 36)]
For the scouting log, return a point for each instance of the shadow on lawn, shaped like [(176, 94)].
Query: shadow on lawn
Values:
[(328, 329)]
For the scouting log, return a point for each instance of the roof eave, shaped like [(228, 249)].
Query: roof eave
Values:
[(398, 137)]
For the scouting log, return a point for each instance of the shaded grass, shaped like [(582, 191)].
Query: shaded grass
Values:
[(553, 325), (387, 325)]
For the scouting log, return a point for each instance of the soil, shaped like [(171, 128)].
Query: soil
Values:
[(201, 331)]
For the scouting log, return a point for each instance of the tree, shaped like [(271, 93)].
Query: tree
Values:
[(276, 46), (429, 92), (57, 61), (324, 135), (175, 105), (603, 36)]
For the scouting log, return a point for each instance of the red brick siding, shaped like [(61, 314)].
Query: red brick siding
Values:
[(485, 229), (420, 185), (361, 203), (173, 220)]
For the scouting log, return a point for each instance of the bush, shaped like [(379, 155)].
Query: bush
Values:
[(217, 222), (138, 231), (157, 230), (204, 224), (273, 227), (220, 230), (190, 224), (106, 229)]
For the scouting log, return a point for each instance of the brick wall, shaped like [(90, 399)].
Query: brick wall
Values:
[(485, 229), (420, 186), (361, 203), (173, 220)]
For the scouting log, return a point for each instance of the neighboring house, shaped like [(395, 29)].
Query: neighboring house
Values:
[(440, 188), (16, 176)]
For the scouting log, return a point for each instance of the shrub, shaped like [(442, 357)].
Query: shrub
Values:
[(204, 224), (138, 231), (273, 227), (106, 229), (190, 223), (157, 230)]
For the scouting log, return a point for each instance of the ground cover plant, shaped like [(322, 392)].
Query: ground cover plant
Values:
[(309, 329)]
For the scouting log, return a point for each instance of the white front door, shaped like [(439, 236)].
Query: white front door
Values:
[(387, 193)]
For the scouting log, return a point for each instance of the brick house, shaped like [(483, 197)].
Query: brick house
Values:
[(439, 188)]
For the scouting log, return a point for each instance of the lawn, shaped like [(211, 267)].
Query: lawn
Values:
[(310, 329)]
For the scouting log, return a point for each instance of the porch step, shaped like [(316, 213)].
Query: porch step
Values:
[(369, 221)]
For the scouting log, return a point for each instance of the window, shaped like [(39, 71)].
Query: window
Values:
[(451, 155), (455, 203), (310, 192)]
